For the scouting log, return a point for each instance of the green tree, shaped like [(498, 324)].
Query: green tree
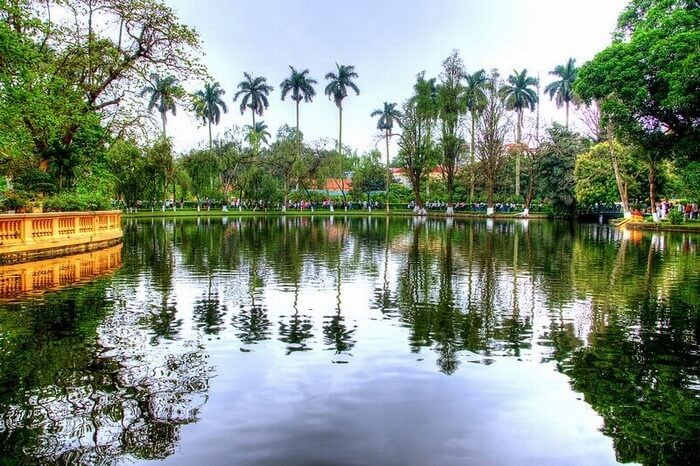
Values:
[(253, 93), (475, 86), (257, 135), (208, 105), (490, 144), (368, 176), (337, 89), (647, 81), (163, 92), (596, 182), (518, 96), (451, 105), (387, 117), (418, 154), (556, 163), (562, 90)]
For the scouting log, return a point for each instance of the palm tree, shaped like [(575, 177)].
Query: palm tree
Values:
[(163, 92), (301, 88), (208, 105), (387, 116), (258, 134), (518, 95), (563, 89), (337, 89), (475, 95), (254, 92)]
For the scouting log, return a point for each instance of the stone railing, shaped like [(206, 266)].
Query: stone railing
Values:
[(52, 274), (30, 236)]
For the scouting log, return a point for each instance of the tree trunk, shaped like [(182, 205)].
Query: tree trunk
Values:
[(210, 141), (472, 152), (253, 113), (652, 189), (163, 118), (519, 130), (621, 184), (340, 132), (388, 170), (566, 104)]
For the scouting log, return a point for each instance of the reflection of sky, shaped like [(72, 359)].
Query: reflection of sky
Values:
[(378, 402)]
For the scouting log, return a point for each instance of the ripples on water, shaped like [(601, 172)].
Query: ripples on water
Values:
[(360, 341)]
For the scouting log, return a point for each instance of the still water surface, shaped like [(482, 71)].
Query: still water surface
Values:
[(264, 341)]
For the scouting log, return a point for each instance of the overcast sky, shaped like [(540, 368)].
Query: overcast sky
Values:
[(388, 42)]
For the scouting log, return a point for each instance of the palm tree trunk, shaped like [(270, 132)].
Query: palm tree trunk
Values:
[(163, 118), (340, 132), (471, 150), (517, 153), (210, 141), (388, 170), (567, 114), (253, 112)]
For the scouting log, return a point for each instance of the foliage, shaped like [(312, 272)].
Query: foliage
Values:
[(556, 163), (254, 92), (595, 179), (76, 202), (675, 217), (13, 200), (369, 175), (562, 90), (647, 78)]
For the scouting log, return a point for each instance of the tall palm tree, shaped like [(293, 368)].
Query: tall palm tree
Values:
[(254, 92), (475, 94), (301, 87), (387, 117), (562, 90), (208, 105), (163, 91), (519, 95), (337, 89)]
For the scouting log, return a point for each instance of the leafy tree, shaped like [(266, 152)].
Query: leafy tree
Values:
[(387, 117), (254, 92), (369, 176), (202, 167), (556, 163), (518, 96), (490, 145), (596, 182), (208, 105), (562, 90), (475, 86), (418, 154), (451, 105), (647, 81), (163, 91), (337, 89), (283, 160)]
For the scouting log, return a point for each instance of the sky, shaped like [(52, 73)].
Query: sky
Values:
[(388, 42)]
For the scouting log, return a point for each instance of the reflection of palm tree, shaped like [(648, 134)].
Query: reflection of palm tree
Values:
[(299, 328), (208, 311), (334, 329)]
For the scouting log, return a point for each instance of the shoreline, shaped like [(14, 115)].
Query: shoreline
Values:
[(324, 213)]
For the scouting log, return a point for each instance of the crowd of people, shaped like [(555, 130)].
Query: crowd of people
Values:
[(689, 210)]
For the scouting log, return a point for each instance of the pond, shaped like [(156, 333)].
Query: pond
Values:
[(272, 340)]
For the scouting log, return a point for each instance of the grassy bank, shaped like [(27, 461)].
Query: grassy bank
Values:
[(185, 213)]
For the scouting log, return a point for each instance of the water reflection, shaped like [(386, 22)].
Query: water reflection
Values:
[(265, 303)]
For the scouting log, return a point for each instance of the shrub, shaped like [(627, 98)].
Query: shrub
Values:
[(675, 217), (13, 200), (76, 202)]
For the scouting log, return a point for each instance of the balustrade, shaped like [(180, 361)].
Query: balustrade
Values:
[(20, 233)]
